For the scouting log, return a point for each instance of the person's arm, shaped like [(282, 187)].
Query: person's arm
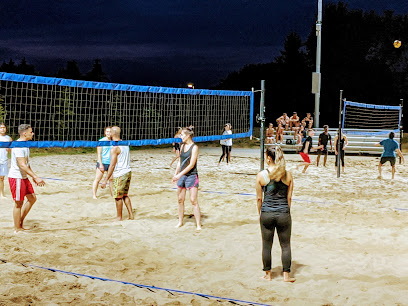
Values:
[(331, 145), (320, 140), (193, 161), (114, 152), (400, 155), (99, 158), (335, 145), (379, 144), (290, 187), (8, 149), (345, 142), (258, 187), (21, 162)]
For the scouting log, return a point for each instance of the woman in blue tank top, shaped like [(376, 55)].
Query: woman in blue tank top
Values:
[(274, 188), (186, 176)]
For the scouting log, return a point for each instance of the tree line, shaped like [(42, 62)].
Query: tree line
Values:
[(71, 71), (358, 57)]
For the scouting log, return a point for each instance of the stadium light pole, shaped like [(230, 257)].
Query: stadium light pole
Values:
[(317, 75)]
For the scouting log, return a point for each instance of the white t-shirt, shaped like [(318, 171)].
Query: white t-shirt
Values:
[(3, 151), (15, 171), (226, 142)]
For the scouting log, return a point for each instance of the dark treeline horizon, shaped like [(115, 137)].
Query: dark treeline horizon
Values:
[(358, 57)]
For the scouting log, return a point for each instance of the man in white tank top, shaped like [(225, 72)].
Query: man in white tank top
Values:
[(120, 169)]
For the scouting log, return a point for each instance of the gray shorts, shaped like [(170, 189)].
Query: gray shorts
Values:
[(188, 181)]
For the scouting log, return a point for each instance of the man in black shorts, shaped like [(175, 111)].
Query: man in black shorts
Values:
[(324, 138)]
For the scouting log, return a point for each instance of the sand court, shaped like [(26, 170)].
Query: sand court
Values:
[(349, 236)]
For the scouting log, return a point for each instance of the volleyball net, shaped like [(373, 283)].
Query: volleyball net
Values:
[(70, 113), (371, 118)]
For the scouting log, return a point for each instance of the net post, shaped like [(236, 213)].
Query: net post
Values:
[(262, 120), (339, 135), (401, 127)]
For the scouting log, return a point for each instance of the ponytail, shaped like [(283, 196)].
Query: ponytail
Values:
[(279, 169)]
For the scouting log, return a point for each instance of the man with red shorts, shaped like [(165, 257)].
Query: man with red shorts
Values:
[(307, 146), (20, 185)]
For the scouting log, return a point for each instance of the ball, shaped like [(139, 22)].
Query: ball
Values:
[(397, 43)]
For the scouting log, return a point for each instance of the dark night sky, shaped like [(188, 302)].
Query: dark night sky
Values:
[(158, 42)]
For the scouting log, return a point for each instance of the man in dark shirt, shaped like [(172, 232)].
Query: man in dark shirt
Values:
[(324, 138), (307, 146)]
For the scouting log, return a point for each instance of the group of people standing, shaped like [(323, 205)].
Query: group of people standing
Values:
[(274, 185)]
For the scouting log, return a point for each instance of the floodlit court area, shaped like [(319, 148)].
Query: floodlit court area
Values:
[(349, 236)]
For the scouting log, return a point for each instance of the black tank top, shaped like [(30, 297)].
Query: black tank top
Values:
[(185, 160), (341, 144), (275, 197)]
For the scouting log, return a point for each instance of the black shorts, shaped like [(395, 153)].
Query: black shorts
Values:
[(105, 166), (390, 159), (324, 151)]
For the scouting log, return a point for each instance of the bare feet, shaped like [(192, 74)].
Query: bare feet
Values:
[(3, 196), (94, 197), (268, 275), (118, 219), (18, 231), (180, 224), (198, 228), (287, 278), (131, 217)]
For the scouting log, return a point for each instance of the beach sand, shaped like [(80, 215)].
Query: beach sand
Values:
[(349, 236)]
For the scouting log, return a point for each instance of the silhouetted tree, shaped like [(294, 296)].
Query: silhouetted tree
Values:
[(72, 71), (97, 74)]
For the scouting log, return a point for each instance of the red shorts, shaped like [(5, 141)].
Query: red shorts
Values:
[(305, 157), (20, 188)]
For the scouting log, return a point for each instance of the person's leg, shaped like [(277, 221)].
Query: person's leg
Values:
[(223, 154), (393, 171), (111, 186), (306, 166), (2, 187), (128, 204), (196, 207), (325, 159), (318, 157), (17, 216), (342, 160), (27, 207), (267, 232), (98, 177), (228, 150), (379, 169), (119, 208), (284, 228), (181, 195)]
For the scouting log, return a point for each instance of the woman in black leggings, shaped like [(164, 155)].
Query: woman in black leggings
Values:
[(274, 187)]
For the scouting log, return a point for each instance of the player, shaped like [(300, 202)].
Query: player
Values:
[(121, 172), (20, 185), (343, 145), (324, 138), (276, 185), (226, 144), (186, 176), (306, 148), (390, 147), (102, 165)]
